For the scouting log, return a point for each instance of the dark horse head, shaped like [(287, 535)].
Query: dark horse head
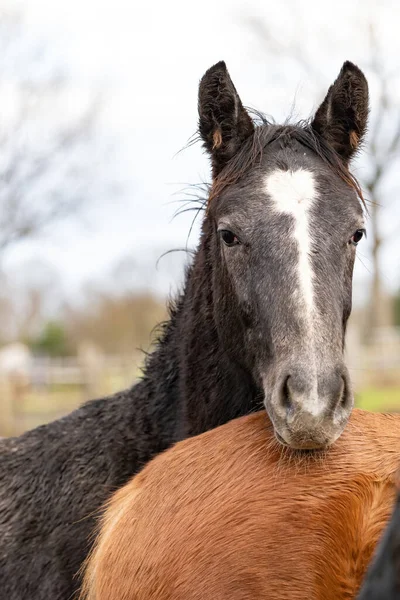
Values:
[(283, 220)]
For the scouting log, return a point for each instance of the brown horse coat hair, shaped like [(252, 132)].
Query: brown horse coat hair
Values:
[(231, 515)]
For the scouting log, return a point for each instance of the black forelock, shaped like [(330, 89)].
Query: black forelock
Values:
[(251, 153)]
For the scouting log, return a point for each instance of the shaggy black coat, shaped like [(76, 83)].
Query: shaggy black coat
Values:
[(54, 479)]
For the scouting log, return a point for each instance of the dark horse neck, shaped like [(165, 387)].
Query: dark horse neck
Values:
[(191, 374)]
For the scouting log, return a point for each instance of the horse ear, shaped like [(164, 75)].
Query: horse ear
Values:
[(342, 117), (223, 122)]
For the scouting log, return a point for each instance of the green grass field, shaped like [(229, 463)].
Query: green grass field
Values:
[(379, 399)]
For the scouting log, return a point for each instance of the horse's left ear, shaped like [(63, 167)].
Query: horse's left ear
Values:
[(223, 122), (342, 117)]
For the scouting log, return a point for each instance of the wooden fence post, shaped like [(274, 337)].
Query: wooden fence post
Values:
[(91, 361), (7, 408)]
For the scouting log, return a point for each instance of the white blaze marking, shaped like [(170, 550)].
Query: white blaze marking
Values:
[(293, 193)]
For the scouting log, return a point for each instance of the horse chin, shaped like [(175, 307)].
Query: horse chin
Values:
[(308, 446)]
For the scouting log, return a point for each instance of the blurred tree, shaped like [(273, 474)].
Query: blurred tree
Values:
[(117, 324), (116, 315), (29, 296), (52, 341), (6, 308), (396, 307), (50, 144), (382, 148)]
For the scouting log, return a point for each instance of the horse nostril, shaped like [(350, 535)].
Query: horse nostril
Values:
[(286, 397), (345, 398)]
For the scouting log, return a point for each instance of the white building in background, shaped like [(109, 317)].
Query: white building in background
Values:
[(16, 362)]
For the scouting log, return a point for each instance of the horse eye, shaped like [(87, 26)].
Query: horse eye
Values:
[(357, 236), (229, 238)]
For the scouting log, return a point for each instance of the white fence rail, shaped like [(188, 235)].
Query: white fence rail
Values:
[(54, 387)]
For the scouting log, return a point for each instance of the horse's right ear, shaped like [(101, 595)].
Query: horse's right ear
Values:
[(223, 122)]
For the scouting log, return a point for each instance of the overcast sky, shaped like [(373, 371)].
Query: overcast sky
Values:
[(149, 57)]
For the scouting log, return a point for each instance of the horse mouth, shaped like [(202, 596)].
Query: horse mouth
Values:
[(309, 448)]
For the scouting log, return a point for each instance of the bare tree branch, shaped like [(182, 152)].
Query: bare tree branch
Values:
[(42, 177), (293, 50)]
